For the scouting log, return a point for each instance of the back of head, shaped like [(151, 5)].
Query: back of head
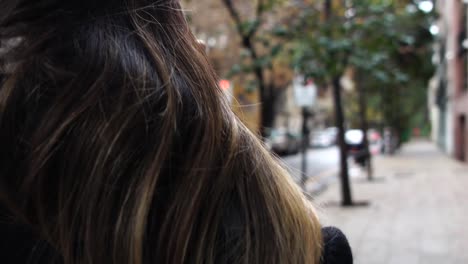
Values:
[(118, 145)]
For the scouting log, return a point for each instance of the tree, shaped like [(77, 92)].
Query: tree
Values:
[(260, 51), (377, 39), (393, 64), (209, 21), (322, 51)]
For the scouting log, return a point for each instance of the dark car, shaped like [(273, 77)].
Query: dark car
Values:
[(283, 142), (321, 139), (354, 140)]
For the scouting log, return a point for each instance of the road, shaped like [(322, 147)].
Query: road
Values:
[(318, 161)]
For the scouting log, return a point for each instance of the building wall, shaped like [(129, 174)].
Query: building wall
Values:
[(289, 114), (460, 100), (434, 111), (445, 74), (452, 76)]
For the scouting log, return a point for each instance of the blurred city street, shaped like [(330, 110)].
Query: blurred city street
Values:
[(320, 161), (129, 127), (371, 78), (417, 210)]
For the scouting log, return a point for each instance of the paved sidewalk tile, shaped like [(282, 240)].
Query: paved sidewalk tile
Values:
[(418, 211)]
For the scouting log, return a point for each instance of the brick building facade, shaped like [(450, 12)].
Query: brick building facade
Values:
[(449, 87)]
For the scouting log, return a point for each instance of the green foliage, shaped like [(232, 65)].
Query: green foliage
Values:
[(280, 31), (249, 26), (275, 51), (265, 45), (389, 48)]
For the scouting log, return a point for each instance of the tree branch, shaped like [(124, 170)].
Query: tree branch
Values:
[(234, 15), (246, 38), (258, 18), (238, 21), (247, 43)]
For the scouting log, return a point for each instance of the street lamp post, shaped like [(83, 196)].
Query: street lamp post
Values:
[(305, 145), (305, 93)]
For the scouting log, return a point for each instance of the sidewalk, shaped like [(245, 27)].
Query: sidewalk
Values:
[(418, 210)]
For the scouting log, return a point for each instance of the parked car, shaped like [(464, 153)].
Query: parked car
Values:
[(389, 141), (375, 141), (322, 139), (283, 142), (333, 132)]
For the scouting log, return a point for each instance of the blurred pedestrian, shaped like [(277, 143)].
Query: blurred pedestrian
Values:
[(119, 147)]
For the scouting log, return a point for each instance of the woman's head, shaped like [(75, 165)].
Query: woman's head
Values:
[(118, 145)]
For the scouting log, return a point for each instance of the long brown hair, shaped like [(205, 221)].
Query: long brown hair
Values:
[(117, 145)]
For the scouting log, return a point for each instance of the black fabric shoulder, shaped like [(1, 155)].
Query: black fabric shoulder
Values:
[(336, 247)]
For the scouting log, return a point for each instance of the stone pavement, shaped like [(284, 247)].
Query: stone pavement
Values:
[(418, 211)]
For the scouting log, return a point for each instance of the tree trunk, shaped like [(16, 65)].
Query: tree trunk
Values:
[(304, 146), (266, 91), (364, 124), (267, 110), (344, 175)]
